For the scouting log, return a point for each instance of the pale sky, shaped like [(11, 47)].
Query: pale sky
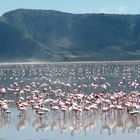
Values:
[(75, 6)]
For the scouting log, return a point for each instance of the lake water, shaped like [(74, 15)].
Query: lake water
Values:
[(62, 79)]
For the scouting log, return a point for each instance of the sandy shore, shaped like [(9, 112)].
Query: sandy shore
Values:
[(78, 62)]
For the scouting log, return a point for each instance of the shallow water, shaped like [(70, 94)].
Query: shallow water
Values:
[(69, 77)]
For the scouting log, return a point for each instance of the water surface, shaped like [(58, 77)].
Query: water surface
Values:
[(84, 78)]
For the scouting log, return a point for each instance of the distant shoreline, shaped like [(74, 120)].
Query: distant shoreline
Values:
[(76, 62)]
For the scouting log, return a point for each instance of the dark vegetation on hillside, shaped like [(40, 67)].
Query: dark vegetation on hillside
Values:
[(49, 35)]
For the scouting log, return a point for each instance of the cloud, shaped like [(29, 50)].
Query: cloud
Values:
[(121, 9), (113, 9)]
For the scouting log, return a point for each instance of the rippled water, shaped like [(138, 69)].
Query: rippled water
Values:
[(83, 78)]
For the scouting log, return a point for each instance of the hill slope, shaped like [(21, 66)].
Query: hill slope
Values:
[(56, 36)]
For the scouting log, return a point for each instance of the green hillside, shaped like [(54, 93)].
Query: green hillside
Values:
[(47, 35)]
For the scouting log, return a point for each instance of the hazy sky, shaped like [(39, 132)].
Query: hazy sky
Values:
[(75, 6)]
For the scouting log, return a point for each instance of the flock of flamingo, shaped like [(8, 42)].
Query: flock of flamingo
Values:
[(71, 95)]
